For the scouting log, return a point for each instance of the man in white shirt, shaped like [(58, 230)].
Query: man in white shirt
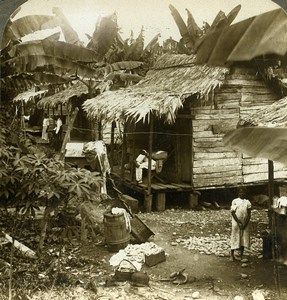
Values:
[(142, 163)]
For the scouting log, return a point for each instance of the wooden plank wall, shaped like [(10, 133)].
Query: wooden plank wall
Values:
[(214, 164)]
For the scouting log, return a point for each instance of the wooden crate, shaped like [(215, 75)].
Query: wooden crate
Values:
[(132, 203), (154, 259)]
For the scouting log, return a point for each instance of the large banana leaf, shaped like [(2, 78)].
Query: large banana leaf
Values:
[(233, 14), (123, 77), (17, 29), (104, 35), (154, 41), (32, 79), (54, 48), (54, 37), (193, 29), (219, 22), (135, 50), (69, 33), (24, 82), (187, 38), (125, 65), (30, 63), (16, 83)]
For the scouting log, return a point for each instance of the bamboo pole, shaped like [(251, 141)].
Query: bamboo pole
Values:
[(67, 135)]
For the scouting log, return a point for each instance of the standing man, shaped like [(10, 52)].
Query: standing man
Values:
[(241, 214), (58, 133)]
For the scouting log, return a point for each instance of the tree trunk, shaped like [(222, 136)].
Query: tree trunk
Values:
[(45, 222)]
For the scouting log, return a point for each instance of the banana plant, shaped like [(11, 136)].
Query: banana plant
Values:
[(21, 62), (192, 34)]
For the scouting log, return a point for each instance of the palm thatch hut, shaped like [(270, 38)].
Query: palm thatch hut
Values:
[(63, 104), (185, 109), (187, 103), (25, 104)]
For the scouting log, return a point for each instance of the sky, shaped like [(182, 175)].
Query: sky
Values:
[(153, 15)]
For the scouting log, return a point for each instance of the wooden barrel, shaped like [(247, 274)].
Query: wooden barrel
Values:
[(117, 235)]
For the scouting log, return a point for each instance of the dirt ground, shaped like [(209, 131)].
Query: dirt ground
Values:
[(197, 241), (213, 276)]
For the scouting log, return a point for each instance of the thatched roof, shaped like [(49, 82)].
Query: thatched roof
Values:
[(30, 95), (163, 90), (63, 97), (274, 115)]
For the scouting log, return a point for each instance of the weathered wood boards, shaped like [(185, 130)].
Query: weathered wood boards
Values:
[(214, 164)]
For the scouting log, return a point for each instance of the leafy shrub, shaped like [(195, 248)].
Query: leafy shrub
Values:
[(28, 180)]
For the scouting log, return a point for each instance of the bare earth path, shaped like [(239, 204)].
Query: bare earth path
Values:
[(195, 240)]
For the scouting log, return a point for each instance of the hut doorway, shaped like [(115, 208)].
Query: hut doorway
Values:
[(183, 149)]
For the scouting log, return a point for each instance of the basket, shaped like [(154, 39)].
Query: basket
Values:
[(139, 230), (122, 275)]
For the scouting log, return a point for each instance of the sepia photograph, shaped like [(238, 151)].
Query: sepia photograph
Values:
[(142, 149)]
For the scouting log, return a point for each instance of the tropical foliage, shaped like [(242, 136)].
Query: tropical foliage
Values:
[(29, 179), (192, 34), (50, 61)]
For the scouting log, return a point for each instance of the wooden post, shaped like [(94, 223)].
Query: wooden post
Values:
[(100, 130), (270, 182), (67, 135), (148, 196), (112, 145), (160, 201), (124, 151), (133, 156), (177, 157), (270, 193), (193, 200), (191, 146)]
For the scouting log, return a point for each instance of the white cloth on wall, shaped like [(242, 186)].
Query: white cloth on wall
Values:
[(45, 126), (119, 211)]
